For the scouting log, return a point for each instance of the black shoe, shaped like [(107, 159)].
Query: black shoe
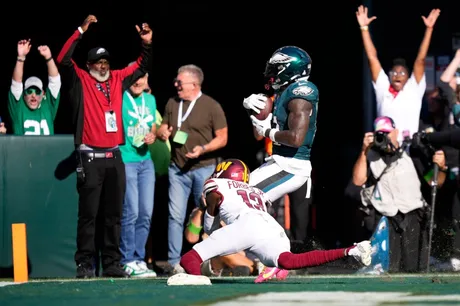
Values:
[(158, 270), (85, 270), (115, 271)]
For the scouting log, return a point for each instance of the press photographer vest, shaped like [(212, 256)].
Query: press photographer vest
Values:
[(398, 187)]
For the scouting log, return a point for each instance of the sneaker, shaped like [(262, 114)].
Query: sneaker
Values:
[(115, 271), (176, 269), (143, 266), (452, 265), (271, 274), (361, 252), (85, 270), (455, 264)]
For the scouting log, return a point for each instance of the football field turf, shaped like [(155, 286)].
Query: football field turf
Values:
[(433, 289)]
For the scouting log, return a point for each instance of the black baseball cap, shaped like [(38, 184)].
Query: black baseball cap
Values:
[(96, 54)]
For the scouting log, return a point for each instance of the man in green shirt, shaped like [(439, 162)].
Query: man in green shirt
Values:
[(33, 108), (138, 114)]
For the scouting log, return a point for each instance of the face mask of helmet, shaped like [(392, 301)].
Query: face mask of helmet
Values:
[(381, 141)]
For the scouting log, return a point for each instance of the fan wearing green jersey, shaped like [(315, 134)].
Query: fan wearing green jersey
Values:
[(33, 108)]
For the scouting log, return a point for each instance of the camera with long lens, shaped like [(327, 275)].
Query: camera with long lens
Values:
[(381, 141)]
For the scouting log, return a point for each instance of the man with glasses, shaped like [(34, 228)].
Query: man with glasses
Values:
[(197, 126), (33, 108), (399, 95)]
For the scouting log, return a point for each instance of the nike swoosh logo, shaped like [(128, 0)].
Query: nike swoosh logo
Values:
[(267, 275)]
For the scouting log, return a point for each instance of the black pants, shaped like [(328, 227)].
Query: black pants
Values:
[(101, 191), (300, 213), (456, 225), (408, 241)]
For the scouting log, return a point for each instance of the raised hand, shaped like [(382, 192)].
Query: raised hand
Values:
[(44, 51), (89, 20), (145, 33), (24, 47), (431, 19), (367, 141), (361, 16), (457, 53)]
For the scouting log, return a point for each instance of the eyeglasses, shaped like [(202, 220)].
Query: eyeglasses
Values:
[(180, 83), (396, 73), (36, 91)]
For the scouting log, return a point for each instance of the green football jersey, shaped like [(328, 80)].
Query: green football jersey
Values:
[(303, 90), (137, 122), (39, 121)]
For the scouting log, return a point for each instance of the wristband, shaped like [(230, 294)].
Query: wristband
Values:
[(192, 228), (272, 133), (204, 148), (364, 28), (48, 59), (80, 30), (21, 59)]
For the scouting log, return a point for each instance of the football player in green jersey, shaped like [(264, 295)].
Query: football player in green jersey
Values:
[(33, 108), (291, 125)]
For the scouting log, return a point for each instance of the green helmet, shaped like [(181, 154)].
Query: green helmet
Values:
[(286, 65)]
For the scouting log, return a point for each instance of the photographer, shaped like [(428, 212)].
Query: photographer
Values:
[(388, 184), (438, 139)]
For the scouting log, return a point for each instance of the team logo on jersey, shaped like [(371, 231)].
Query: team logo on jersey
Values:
[(302, 91), (281, 58)]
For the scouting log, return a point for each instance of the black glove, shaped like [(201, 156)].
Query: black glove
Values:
[(419, 139)]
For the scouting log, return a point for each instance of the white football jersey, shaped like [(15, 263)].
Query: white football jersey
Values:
[(237, 198)]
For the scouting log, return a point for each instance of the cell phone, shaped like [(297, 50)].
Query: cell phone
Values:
[(0, 119)]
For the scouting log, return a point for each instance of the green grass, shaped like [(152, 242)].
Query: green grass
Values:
[(226, 291)]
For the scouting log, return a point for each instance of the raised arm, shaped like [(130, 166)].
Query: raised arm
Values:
[(54, 84), (18, 72), (419, 65), (359, 176), (449, 73), (65, 62), (371, 52), (131, 73)]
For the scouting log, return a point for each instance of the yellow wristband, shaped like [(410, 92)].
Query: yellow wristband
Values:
[(364, 28)]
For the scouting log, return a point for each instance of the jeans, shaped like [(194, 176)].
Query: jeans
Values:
[(181, 184), (137, 210)]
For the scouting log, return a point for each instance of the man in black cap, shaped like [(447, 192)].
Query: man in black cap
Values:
[(98, 64), (96, 95)]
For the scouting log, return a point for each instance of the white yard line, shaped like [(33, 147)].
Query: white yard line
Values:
[(342, 298)]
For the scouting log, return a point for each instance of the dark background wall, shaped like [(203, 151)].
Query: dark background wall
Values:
[(232, 42)]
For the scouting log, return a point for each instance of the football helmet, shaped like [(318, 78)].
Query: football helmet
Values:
[(232, 169), (286, 65)]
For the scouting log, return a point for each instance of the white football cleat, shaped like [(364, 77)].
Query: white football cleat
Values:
[(362, 252), (184, 279)]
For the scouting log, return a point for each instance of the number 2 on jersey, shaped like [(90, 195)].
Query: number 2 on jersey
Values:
[(252, 199)]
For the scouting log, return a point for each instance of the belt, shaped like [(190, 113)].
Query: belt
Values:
[(109, 154)]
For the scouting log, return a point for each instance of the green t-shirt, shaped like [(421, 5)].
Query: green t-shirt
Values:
[(39, 121), (137, 122)]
